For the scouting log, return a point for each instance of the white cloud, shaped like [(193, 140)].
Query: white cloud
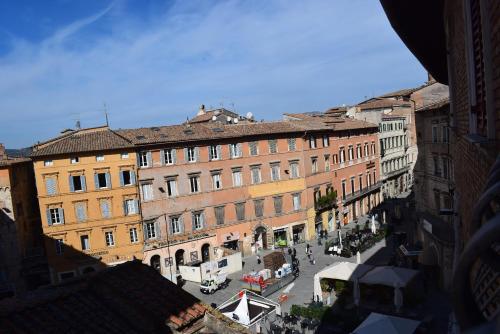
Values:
[(266, 57)]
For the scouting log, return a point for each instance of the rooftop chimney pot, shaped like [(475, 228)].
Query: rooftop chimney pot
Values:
[(202, 110)]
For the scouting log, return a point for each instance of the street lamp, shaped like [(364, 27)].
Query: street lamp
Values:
[(168, 240)]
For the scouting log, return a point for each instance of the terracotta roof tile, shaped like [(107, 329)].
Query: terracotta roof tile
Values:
[(86, 140), (129, 298), (383, 103), (11, 161), (434, 105)]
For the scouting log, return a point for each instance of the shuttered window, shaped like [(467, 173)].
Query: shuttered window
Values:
[(254, 148), (105, 208), (291, 144), (278, 205), (81, 211), (235, 150), (259, 207), (478, 105), (51, 185), (240, 211), (273, 146), (219, 215), (294, 170), (256, 177)]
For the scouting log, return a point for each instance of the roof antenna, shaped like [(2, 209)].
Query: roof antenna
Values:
[(232, 105)]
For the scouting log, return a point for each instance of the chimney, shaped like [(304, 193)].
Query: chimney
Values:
[(430, 78), (201, 111), (3, 155)]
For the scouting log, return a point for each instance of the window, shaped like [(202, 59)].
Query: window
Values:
[(66, 275), (358, 151), (374, 151), (360, 182), (291, 144), (369, 178), (133, 235), (374, 178), (278, 205), (437, 199), (446, 174), (198, 221), (326, 141), (273, 145), (312, 142), (191, 154), (172, 187), (317, 195), (110, 239), (256, 176), (240, 211), (102, 180), (327, 163), (214, 152), (48, 163), (124, 155), (169, 156), (352, 185), (130, 207), (176, 225), (314, 165), (216, 181), (51, 185), (275, 172), (446, 133), (335, 159), (436, 166), (219, 215), (294, 170), (434, 134), (147, 191), (150, 230), (259, 207), (55, 216), (145, 159), (351, 153), (59, 243), (237, 179), (81, 211), (342, 155), (235, 150), (105, 208), (194, 183), (343, 190), (84, 241), (254, 148), (127, 178), (74, 160), (99, 157), (296, 202)]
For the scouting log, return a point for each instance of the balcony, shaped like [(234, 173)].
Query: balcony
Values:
[(162, 241), (329, 201), (396, 172), (360, 193)]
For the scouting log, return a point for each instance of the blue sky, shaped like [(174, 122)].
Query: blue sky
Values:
[(154, 62)]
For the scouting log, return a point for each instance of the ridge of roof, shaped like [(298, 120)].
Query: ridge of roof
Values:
[(435, 104)]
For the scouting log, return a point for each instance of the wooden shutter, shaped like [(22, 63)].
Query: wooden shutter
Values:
[(80, 211), (193, 221), (174, 155), (145, 230), (49, 217), (61, 214), (71, 184), (197, 154), (125, 208), (122, 183), (108, 180), (232, 153), (186, 158), (50, 185), (181, 224), (150, 159), (132, 177), (219, 151), (105, 208), (162, 157), (83, 182), (136, 206), (96, 181)]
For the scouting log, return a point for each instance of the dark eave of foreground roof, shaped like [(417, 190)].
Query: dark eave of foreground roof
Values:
[(420, 25)]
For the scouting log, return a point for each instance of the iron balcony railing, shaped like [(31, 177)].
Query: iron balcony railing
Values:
[(362, 192), (476, 279)]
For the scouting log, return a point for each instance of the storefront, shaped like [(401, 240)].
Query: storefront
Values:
[(280, 237), (299, 233), (230, 240), (318, 223)]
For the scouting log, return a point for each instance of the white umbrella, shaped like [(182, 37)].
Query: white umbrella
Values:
[(358, 257), (373, 227), (356, 292), (398, 297), (340, 239)]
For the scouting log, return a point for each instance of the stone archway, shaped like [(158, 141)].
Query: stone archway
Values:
[(205, 252), (261, 236), (155, 263), (179, 258)]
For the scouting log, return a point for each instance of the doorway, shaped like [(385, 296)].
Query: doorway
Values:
[(155, 263), (179, 258), (260, 237), (205, 253)]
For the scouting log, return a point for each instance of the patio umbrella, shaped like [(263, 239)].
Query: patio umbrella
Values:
[(358, 257), (398, 297), (373, 227), (356, 292), (340, 239)]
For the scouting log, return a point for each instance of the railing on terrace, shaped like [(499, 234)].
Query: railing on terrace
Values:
[(362, 192), (476, 279), (164, 241), (397, 172)]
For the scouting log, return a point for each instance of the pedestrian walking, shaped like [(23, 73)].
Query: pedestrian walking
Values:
[(307, 248), (289, 251), (258, 259)]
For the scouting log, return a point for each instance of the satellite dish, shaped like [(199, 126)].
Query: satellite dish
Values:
[(229, 119), (214, 118), (217, 112), (235, 120), (249, 115)]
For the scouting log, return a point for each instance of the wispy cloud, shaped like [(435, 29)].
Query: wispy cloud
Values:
[(266, 57)]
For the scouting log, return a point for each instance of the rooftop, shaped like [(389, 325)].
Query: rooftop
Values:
[(79, 141), (129, 298), (380, 103)]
